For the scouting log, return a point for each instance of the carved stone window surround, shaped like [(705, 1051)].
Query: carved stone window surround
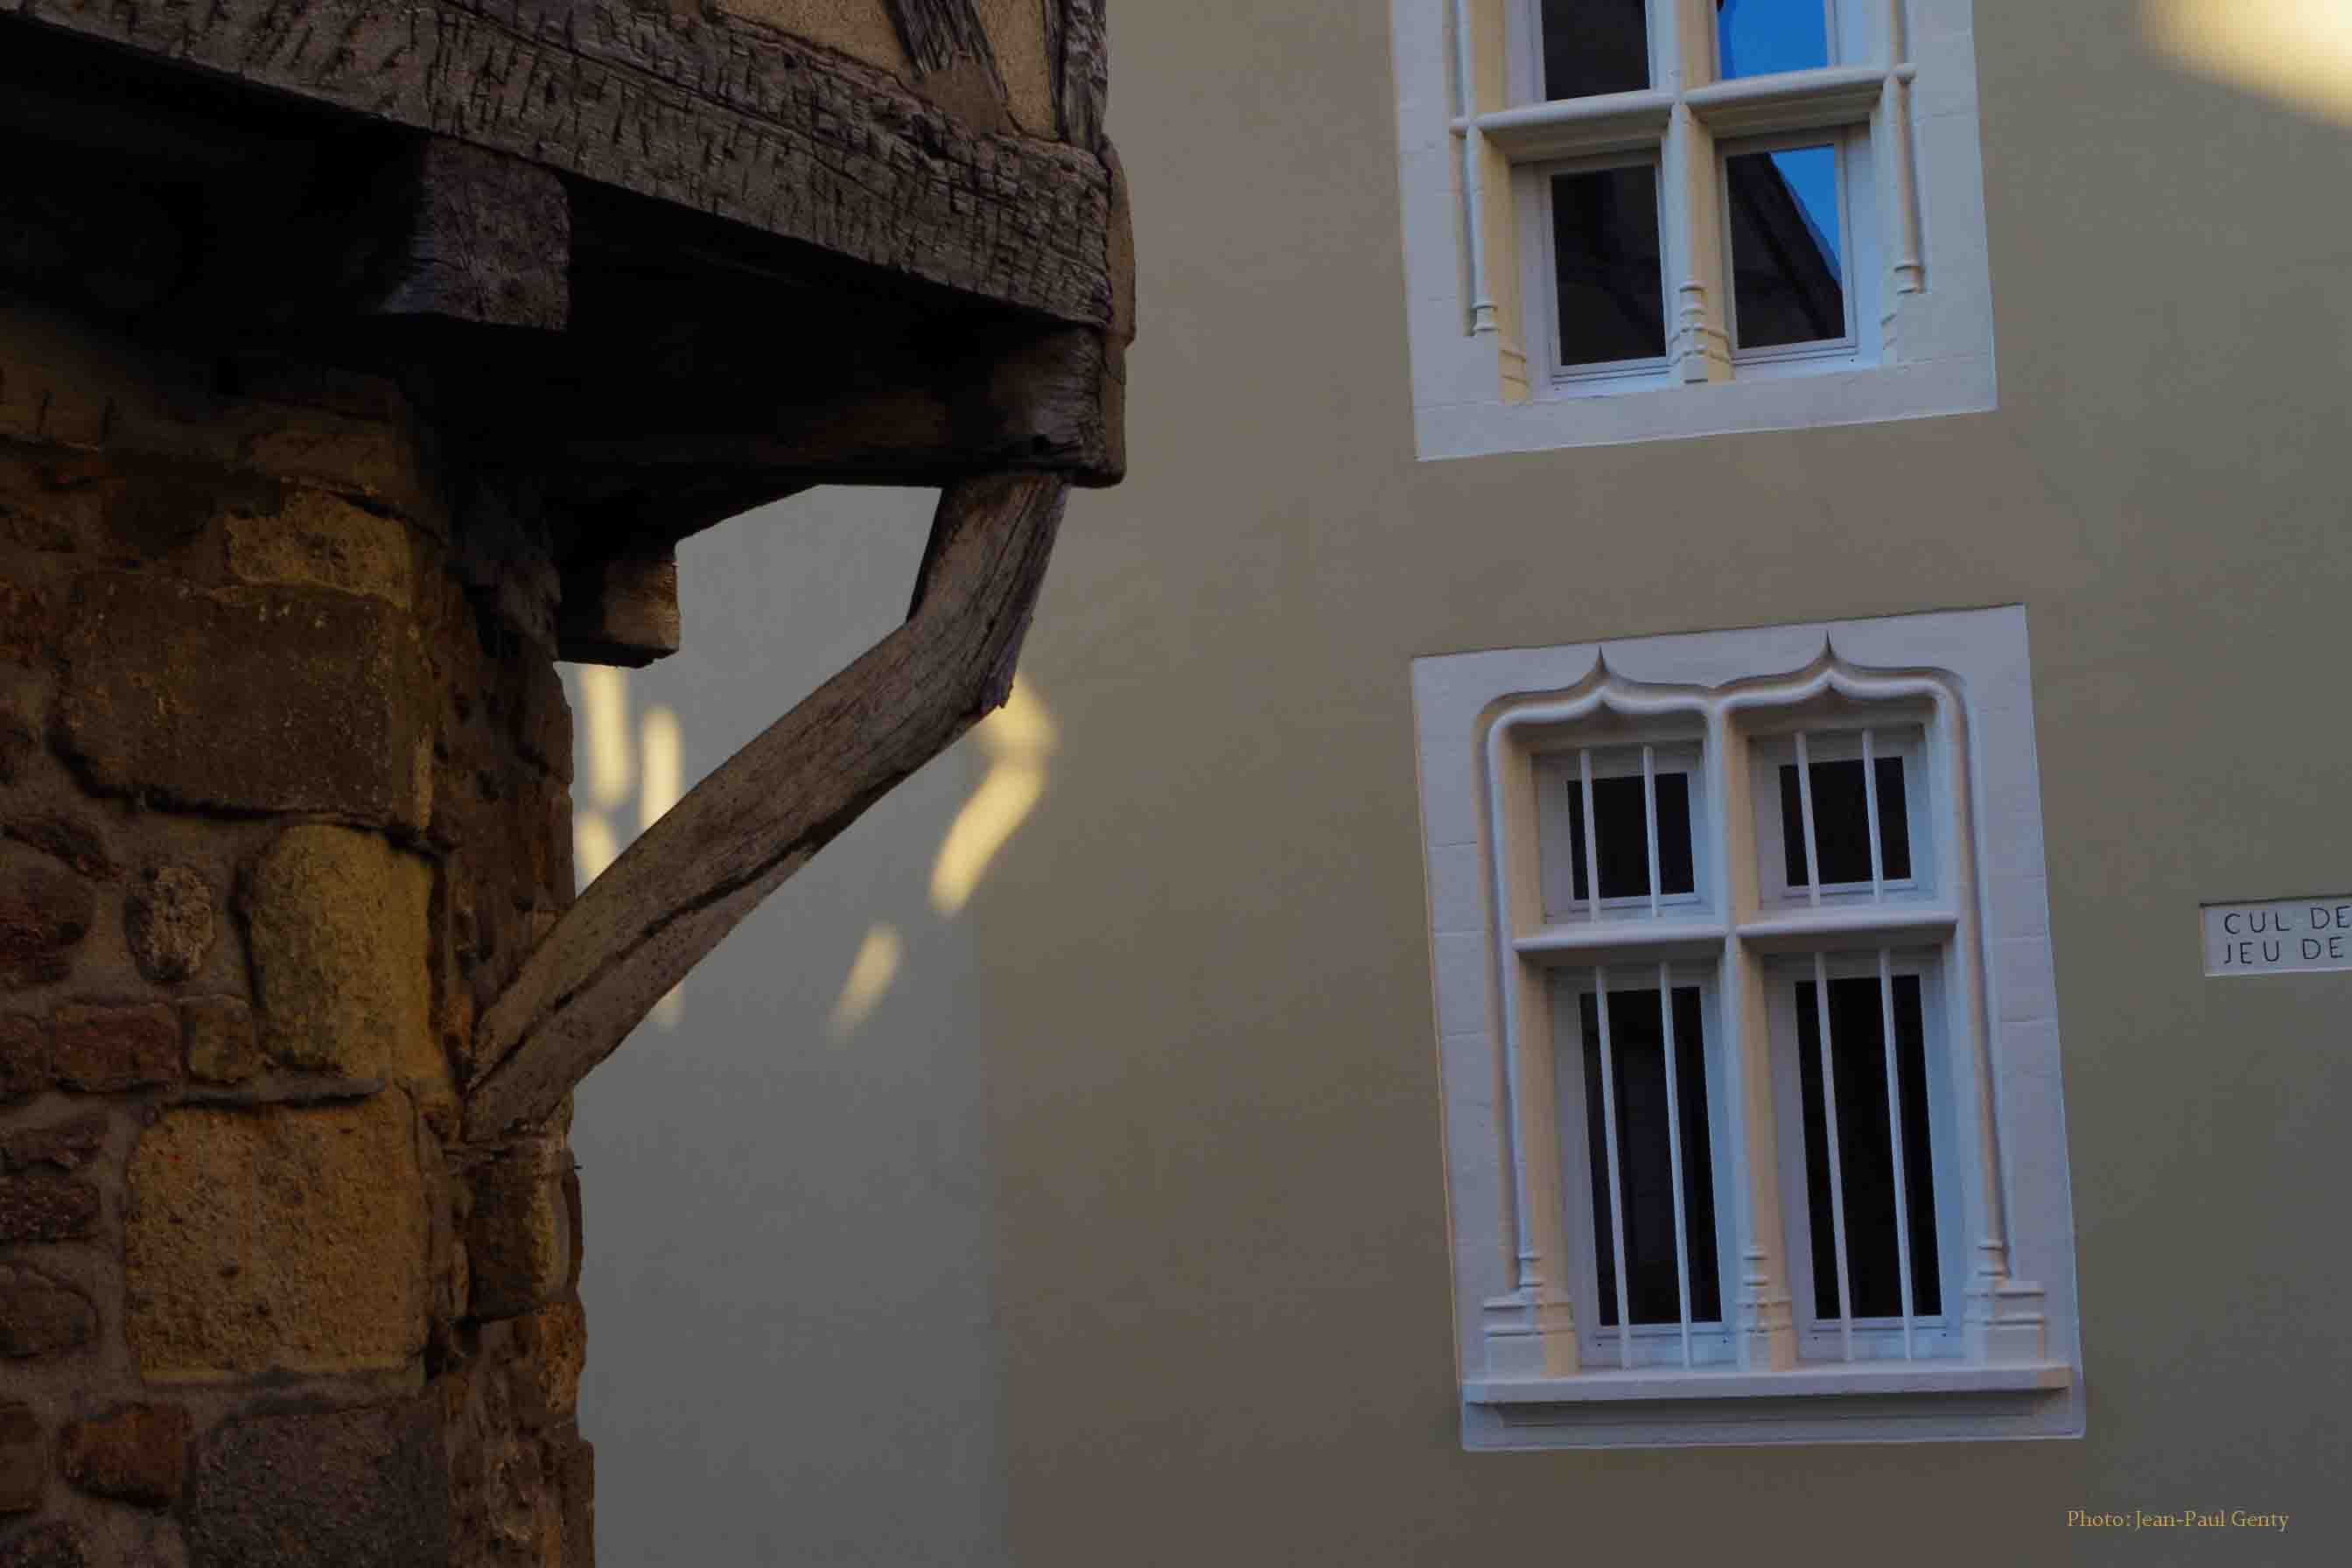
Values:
[(1999, 1358), (1477, 146)]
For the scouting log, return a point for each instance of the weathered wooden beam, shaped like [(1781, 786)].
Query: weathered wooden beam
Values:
[(1084, 72), (620, 610), (466, 234), (69, 231), (695, 108), (694, 875), (1032, 400)]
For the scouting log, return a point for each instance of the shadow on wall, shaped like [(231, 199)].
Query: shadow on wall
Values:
[(1017, 738), (2296, 51)]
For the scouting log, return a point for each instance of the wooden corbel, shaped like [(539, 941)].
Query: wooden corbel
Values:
[(694, 874)]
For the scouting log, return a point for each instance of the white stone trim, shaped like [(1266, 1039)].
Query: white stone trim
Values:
[(2019, 1372), (1471, 132)]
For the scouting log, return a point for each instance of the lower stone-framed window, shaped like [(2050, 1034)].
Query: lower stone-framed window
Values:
[(1746, 1025)]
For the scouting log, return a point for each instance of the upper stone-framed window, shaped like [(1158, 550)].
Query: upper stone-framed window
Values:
[(1747, 1021), (1631, 219)]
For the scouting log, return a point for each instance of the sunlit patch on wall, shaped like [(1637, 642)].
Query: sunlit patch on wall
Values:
[(2297, 51), (652, 762), (870, 974), (1018, 737), (664, 757)]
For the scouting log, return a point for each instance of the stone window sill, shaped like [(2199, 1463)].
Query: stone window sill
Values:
[(1649, 1385)]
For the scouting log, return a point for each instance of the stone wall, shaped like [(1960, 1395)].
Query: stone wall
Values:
[(284, 766)]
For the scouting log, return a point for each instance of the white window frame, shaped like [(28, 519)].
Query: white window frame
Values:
[(1655, 1344), (1478, 144), (1541, 264), (2006, 1361), (1936, 1335), (1850, 151), (1558, 772), (1773, 744)]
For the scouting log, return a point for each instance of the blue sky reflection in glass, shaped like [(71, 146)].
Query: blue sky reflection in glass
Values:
[(1759, 38), (1811, 174)]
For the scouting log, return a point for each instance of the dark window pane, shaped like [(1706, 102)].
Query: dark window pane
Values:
[(1866, 1150), (1594, 47), (1787, 275), (1757, 37), (1841, 822), (1646, 1160), (1622, 836), (1605, 253)]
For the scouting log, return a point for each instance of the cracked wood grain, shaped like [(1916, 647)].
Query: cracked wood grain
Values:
[(472, 235), (1084, 72), (711, 112), (694, 874), (939, 33)]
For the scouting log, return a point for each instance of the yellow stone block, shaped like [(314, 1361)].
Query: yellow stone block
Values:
[(336, 924), (287, 1238), (324, 541)]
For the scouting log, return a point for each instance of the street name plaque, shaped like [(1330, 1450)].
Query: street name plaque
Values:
[(2279, 936)]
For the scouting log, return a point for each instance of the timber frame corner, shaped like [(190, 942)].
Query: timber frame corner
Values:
[(636, 267)]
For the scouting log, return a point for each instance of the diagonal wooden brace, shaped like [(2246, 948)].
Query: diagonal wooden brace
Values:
[(694, 875)]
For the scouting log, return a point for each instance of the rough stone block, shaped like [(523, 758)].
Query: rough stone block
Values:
[(104, 1050), (324, 541), (24, 1058), (336, 924), (63, 838), (250, 699), (291, 1238), (45, 911), (519, 1238), (68, 1145), (54, 1543), (17, 744), (28, 621), (552, 1347), (168, 920), (139, 1454), (40, 1205), (575, 1480), (24, 1459), (355, 1488), (40, 1316), (543, 717), (223, 1047)]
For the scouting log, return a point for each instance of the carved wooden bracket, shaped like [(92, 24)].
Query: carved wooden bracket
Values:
[(694, 875)]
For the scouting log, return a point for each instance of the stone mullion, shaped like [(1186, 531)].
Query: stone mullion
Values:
[(1898, 183), (1690, 203), (1758, 1305)]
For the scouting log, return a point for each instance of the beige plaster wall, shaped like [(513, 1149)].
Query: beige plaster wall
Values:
[(1222, 1275), (858, 28), (862, 29), (1016, 31)]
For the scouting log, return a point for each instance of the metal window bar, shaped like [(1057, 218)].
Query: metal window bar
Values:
[(1894, 1135), (1616, 1179), (1674, 1135), (1609, 1067), (1805, 800), (1837, 1174), (1870, 795), (1650, 817), (1894, 1066), (1591, 838)]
